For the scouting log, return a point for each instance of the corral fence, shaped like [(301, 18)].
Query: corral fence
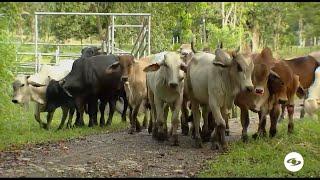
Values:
[(141, 46)]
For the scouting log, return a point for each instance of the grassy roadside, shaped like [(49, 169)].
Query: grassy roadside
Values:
[(18, 127), (264, 157)]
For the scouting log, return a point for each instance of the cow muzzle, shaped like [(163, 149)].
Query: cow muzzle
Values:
[(259, 91), (249, 88), (282, 101), (124, 78), (173, 85)]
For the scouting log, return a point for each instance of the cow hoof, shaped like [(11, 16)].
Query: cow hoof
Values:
[(245, 138), (198, 143), (175, 141), (150, 130), (255, 136), (272, 133), (227, 132), (290, 128), (161, 136), (102, 125), (131, 131), (216, 146), (108, 123)]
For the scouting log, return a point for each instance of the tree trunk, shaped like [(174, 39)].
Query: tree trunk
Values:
[(98, 21), (222, 12), (301, 44), (314, 40), (255, 39)]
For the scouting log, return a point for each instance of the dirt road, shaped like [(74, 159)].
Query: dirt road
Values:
[(116, 154)]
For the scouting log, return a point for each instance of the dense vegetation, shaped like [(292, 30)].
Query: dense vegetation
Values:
[(274, 24)]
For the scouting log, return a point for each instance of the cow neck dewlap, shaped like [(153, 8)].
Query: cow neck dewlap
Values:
[(232, 80)]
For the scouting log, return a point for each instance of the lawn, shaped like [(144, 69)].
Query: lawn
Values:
[(18, 127), (265, 157)]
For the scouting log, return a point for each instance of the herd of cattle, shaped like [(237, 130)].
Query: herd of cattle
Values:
[(182, 81)]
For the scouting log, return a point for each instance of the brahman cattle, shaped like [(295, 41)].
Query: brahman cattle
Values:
[(25, 92), (134, 79), (213, 81), (165, 88)]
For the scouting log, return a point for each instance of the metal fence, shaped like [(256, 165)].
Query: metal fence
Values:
[(108, 46)]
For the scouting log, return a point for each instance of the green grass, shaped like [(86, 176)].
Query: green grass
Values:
[(264, 157), (18, 127)]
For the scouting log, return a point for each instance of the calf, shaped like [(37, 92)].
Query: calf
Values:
[(165, 87), (213, 81), (135, 86)]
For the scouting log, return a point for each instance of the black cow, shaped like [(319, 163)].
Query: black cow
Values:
[(87, 82)]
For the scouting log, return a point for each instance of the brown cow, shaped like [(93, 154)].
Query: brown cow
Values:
[(276, 83), (135, 87), (304, 67)]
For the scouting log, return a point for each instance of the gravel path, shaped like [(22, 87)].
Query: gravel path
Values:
[(117, 154)]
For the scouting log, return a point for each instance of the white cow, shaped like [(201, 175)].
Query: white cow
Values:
[(213, 82), (33, 88), (165, 87), (313, 97)]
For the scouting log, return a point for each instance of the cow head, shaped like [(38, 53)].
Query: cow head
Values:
[(21, 91), (125, 63), (186, 52), (277, 84), (241, 66), (171, 67), (90, 51)]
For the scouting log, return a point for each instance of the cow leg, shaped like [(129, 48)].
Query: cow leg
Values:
[(145, 118), (49, 119), (290, 109), (165, 115), (152, 124), (225, 116), (211, 122), (135, 116), (205, 134), (283, 107), (161, 134), (102, 108), (274, 115), (196, 123), (37, 116), (80, 105), (261, 127), (93, 109), (64, 116), (245, 123), (302, 112), (175, 123), (218, 135), (184, 116), (71, 113), (125, 107), (112, 107)]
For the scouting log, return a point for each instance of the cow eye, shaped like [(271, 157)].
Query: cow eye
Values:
[(21, 85), (239, 68)]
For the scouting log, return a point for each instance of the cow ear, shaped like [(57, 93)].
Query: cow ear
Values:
[(151, 68), (221, 58), (272, 73), (112, 67), (218, 63), (183, 67)]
